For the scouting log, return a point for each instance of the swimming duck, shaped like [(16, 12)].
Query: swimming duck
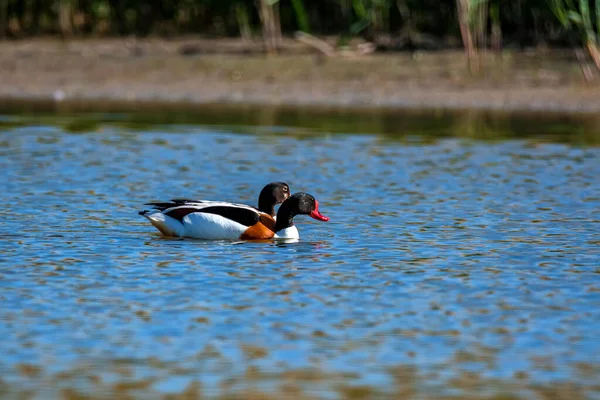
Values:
[(230, 221), (272, 194)]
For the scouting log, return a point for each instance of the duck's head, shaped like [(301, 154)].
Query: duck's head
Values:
[(307, 204), (298, 203), (272, 194)]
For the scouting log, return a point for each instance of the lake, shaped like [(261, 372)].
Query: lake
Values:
[(461, 259)]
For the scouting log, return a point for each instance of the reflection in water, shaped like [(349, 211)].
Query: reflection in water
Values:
[(450, 267), (305, 122)]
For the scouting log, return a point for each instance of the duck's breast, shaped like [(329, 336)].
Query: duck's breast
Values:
[(290, 232), (263, 229)]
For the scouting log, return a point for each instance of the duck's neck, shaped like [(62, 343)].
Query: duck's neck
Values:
[(285, 217), (266, 205)]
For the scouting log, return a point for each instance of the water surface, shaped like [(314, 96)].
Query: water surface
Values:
[(457, 262)]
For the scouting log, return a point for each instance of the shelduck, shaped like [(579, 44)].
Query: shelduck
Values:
[(230, 221), (272, 194)]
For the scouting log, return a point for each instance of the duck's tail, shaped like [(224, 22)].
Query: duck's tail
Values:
[(166, 225)]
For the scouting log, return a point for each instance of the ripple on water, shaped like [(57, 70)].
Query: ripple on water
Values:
[(449, 267)]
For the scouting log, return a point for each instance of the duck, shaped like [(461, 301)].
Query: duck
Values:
[(230, 221), (272, 194)]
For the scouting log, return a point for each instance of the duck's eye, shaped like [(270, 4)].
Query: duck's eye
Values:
[(285, 189)]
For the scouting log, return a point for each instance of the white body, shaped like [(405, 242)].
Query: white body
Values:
[(198, 225), (288, 233), (202, 225)]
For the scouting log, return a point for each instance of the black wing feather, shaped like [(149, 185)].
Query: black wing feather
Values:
[(243, 216), (163, 205)]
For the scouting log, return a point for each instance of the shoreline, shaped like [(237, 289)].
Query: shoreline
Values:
[(158, 73), (532, 102)]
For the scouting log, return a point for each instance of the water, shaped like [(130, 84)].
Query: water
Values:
[(460, 266)]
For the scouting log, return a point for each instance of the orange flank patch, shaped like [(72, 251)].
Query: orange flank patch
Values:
[(261, 230), (267, 221)]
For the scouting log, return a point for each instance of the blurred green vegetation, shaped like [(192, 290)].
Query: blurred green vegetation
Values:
[(414, 23), (388, 24)]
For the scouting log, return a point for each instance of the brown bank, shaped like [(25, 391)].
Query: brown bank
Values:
[(200, 71)]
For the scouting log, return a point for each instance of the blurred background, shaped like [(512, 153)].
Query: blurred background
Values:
[(453, 143), (390, 25), (531, 54)]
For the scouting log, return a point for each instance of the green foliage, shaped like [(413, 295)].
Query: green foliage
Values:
[(522, 21), (598, 17), (368, 12), (301, 15), (577, 17)]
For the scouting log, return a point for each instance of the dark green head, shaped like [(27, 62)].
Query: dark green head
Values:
[(272, 194)]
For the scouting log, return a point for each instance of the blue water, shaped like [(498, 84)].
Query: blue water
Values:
[(450, 266)]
